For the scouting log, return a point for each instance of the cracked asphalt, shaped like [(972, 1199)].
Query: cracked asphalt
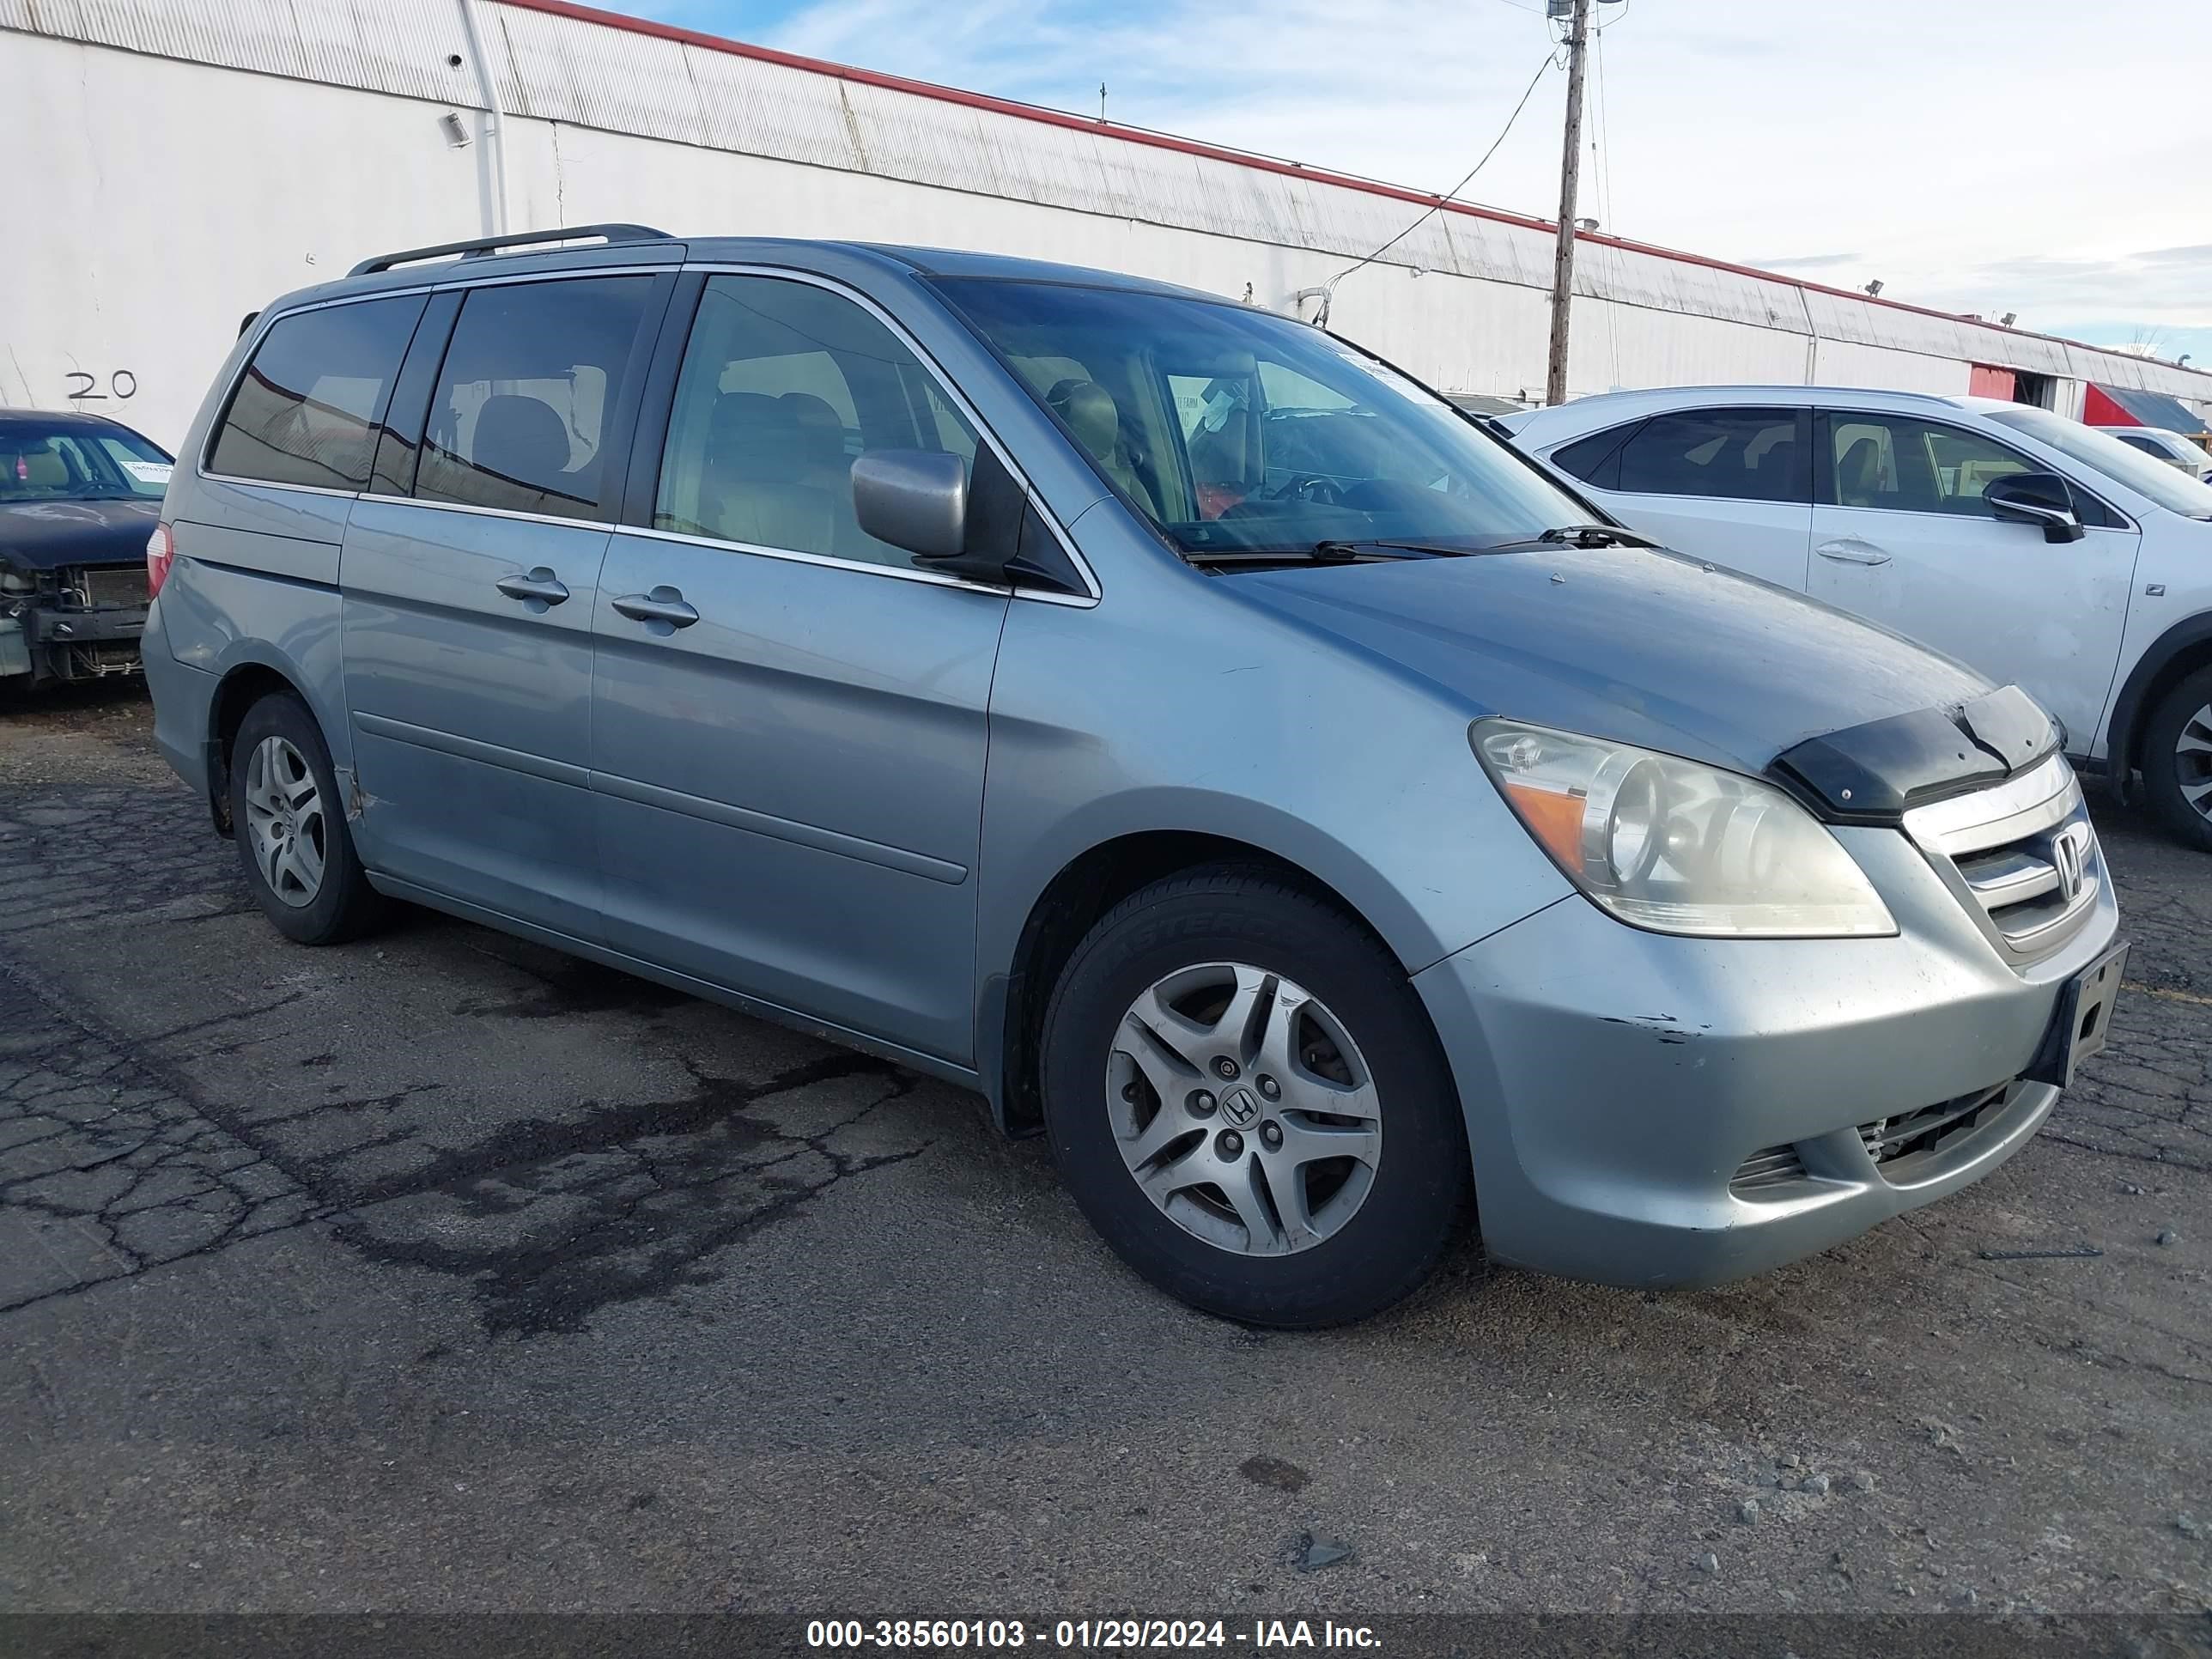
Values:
[(441, 1272)]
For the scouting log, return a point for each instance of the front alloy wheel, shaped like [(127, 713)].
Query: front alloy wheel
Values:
[(2192, 761), (2177, 760), (1216, 1060), (1243, 1110)]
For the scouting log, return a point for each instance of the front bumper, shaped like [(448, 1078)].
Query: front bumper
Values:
[(1616, 1082), (70, 642)]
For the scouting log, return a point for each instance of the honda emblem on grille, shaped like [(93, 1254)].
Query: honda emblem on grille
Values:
[(2068, 851)]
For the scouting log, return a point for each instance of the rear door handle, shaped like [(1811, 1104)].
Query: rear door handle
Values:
[(541, 585), (663, 604), (1851, 550)]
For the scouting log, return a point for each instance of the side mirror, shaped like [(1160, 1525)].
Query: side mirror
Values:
[(916, 498), (2037, 498)]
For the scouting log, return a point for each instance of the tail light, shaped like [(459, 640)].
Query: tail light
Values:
[(160, 554)]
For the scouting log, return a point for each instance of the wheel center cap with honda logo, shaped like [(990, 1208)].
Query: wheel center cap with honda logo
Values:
[(1240, 1106)]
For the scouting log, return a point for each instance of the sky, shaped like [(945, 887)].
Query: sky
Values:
[(2051, 158)]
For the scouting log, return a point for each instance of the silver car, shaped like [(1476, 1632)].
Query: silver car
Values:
[(1166, 719)]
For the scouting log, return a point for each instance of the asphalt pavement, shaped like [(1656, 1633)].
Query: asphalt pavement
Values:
[(441, 1272)]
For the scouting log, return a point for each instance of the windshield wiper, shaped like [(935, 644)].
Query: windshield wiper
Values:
[(1594, 535), (1322, 552)]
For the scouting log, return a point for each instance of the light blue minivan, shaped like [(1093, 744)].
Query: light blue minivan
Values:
[(1161, 716)]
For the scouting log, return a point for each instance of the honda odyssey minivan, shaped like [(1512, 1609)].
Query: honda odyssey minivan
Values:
[(1161, 716)]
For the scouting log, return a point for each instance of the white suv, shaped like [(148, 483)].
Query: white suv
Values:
[(2038, 550), (2158, 444)]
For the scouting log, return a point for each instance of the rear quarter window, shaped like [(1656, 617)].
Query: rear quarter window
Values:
[(1596, 459), (306, 409)]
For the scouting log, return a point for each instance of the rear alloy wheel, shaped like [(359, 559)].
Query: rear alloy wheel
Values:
[(1243, 1094), (291, 831), (288, 832), (2177, 760)]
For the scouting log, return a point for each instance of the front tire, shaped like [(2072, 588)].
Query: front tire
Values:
[(1245, 1096), (2177, 760), (289, 824)]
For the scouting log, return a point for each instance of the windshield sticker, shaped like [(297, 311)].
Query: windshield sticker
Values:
[(1390, 377), (149, 471)]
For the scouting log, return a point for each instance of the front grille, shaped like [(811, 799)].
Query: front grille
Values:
[(1893, 1140), (2023, 854), (126, 585)]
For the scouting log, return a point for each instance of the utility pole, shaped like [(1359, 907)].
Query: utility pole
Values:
[(1570, 158)]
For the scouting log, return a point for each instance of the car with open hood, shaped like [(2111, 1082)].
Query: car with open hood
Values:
[(1164, 718), (79, 496)]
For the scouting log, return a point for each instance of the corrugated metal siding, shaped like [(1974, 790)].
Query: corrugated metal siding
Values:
[(377, 45), (560, 70), (573, 71), (757, 108)]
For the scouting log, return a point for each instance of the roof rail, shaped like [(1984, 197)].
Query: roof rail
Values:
[(481, 246)]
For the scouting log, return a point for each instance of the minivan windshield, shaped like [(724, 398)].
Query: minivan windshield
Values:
[(2169, 486), (1235, 430)]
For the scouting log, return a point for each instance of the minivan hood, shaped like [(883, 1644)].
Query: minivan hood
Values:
[(1645, 647), (50, 535)]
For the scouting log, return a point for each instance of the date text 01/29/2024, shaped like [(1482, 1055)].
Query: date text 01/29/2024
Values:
[(1086, 1635)]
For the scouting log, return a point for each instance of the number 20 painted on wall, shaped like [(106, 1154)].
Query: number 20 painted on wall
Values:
[(122, 383)]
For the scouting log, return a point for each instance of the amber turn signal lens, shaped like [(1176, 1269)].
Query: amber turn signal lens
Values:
[(1553, 819)]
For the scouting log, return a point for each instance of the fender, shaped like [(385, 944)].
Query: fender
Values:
[(2124, 727), (252, 653), (1435, 850)]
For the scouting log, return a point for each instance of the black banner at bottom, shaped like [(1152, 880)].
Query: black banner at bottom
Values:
[(599, 1636)]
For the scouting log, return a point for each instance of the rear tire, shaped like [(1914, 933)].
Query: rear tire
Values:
[(2177, 760), (1209, 1159), (289, 824)]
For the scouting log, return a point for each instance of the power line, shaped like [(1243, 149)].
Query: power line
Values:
[(1550, 61)]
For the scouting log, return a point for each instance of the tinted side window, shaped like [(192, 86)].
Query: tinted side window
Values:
[(530, 377), (783, 386), (1732, 455), (307, 409), (1895, 462), (1595, 459)]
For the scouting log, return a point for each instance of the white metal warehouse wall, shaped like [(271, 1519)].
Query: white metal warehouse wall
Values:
[(180, 162)]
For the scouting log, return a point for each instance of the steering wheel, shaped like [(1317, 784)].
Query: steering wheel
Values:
[(1312, 486)]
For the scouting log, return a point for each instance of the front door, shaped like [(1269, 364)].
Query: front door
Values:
[(469, 582), (1902, 536), (788, 719)]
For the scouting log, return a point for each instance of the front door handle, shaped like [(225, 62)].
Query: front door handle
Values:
[(663, 604), (539, 589), (1852, 550)]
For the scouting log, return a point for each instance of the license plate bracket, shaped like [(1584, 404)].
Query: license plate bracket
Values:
[(2083, 1020)]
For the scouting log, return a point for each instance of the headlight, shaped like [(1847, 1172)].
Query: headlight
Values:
[(1676, 846), (13, 581)]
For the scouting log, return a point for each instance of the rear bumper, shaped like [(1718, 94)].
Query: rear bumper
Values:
[(1616, 1083), (183, 699)]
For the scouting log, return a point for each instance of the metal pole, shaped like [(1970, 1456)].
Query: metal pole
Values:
[(495, 202), (1570, 159)]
